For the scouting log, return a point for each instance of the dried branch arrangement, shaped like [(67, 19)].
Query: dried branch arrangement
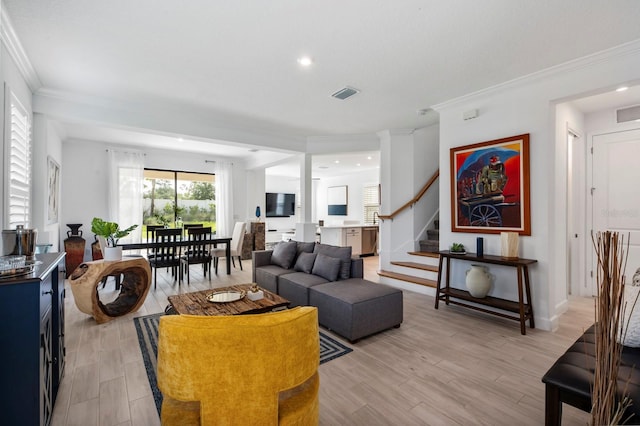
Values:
[(606, 408)]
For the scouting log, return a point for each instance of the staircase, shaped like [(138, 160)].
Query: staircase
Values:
[(432, 243), (423, 268)]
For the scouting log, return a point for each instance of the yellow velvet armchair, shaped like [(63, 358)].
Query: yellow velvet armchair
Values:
[(240, 370)]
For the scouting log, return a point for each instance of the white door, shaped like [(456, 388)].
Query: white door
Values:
[(616, 194)]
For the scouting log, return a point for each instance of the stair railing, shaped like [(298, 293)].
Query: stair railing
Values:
[(414, 200)]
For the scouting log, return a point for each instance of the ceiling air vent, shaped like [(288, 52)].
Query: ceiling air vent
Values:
[(345, 93), (628, 114)]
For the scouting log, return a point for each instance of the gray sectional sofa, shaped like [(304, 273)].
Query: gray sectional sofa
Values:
[(328, 278)]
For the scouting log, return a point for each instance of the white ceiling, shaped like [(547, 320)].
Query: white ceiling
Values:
[(330, 165), (608, 100), (240, 57)]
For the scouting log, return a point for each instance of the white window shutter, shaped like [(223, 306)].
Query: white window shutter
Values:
[(19, 167), (371, 204)]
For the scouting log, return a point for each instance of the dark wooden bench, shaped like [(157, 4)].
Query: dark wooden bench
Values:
[(570, 379)]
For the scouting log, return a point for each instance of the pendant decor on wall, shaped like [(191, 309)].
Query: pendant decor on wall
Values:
[(74, 247)]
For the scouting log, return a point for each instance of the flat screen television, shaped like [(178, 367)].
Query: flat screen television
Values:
[(280, 205)]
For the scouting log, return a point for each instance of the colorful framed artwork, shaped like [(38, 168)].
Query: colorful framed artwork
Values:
[(490, 187)]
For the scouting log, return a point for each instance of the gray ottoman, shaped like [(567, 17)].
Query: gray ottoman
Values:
[(356, 308)]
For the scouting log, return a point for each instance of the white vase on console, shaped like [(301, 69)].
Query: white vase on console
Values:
[(478, 281)]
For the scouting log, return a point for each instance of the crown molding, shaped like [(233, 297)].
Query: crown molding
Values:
[(626, 49), (17, 52)]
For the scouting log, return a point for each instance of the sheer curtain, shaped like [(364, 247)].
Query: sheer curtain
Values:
[(126, 176), (224, 198)]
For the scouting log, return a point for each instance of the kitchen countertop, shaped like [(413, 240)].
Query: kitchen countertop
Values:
[(347, 226)]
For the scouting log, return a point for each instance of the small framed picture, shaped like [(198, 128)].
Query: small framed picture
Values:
[(53, 187)]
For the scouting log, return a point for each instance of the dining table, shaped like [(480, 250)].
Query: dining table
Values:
[(213, 240)]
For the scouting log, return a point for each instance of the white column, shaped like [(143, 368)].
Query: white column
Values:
[(305, 188), (305, 230)]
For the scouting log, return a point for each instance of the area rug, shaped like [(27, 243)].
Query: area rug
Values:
[(147, 328)]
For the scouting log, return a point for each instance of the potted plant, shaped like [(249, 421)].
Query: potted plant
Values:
[(457, 248), (108, 234)]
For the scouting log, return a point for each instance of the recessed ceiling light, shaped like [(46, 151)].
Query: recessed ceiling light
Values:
[(337, 161), (358, 164), (305, 61), (369, 158), (621, 89)]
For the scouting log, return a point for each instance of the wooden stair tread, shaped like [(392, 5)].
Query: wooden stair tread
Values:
[(408, 278), (416, 265), (424, 253)]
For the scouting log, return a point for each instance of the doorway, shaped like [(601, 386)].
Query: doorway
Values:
[(577, 237), (615, 205)]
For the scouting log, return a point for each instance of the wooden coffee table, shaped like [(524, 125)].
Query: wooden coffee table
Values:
[(196, 303)]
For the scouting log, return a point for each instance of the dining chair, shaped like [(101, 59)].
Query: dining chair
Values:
[(167, 253), (236, 246), (197, 251), (151, 236), (188, 226)]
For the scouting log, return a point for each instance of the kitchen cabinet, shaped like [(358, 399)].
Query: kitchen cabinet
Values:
[(362, 239), (32, 332), (353, 238)]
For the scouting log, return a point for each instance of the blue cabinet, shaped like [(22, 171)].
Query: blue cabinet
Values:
[(32, 338)]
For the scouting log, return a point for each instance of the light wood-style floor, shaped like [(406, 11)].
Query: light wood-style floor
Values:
[(441, 367)]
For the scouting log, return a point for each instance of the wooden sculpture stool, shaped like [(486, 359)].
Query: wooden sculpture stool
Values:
[(135, 285)]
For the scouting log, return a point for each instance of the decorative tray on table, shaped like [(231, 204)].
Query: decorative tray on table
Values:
[(226, 296), (14, 266)]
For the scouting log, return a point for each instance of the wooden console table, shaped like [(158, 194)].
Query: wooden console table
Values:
[(523, 309)]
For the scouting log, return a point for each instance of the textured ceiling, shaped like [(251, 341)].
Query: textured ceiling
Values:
[(239, 57)]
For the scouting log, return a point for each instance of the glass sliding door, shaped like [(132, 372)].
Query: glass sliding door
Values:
[(196, 199), (174, 198)]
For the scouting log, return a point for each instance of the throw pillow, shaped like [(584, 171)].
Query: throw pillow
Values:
[(326, 267), (303, 247), (631, 321), (304, 263), (342, 253), (283, 254)]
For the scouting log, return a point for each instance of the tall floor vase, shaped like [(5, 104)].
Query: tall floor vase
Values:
[(74, 247)]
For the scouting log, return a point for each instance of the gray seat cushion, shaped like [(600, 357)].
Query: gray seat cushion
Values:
[(267, 276), (295, 287)]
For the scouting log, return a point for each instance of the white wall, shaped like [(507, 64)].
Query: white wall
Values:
[(46, 143), (355, 183), (426, 148), (528, 106), (287, 185), (84, 179)]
